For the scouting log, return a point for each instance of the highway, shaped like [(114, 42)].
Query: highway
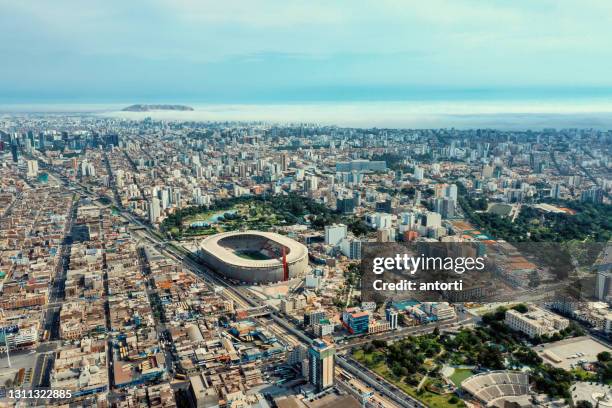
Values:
[(382, 386), (405, 331), (359, 389)]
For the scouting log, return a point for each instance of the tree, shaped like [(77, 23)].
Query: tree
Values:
[(555, 382), (534, 279), (379, 343), (527, 356), (453, 400), (359, 227), (584, 404), (521, 308), (604, 356), (491, 357), (498, 315)]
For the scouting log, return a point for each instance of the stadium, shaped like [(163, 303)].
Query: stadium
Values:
[(253, 256)]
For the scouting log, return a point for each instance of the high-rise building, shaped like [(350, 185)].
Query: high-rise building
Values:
[(15, 152), (311, 183), (555, 191), (313, 316), (345, 205), (384, 206), (487, 171), (603, 285), (445, 206), (154, 210), (433, 220), (379, 220), (321, 364), (284, 162), (32, 168), (419, 173), (298, 354), (355, 249), (594, 195), (392, 317), (164, 195), (335, 233), (451, 191)]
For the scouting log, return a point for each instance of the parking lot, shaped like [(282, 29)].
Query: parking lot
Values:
[(571, 352)]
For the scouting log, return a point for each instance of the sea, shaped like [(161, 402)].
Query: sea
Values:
[(513, 114)]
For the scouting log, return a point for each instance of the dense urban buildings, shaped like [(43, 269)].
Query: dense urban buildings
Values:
[(171, 263)]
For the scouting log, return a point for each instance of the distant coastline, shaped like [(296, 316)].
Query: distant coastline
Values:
[(152, 108), (424, 114)]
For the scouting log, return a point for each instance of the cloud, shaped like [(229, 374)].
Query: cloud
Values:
[(266, 45)]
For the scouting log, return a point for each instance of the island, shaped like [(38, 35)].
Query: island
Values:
[(149, 108)]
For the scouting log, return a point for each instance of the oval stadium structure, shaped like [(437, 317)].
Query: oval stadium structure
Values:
[(254, 256)]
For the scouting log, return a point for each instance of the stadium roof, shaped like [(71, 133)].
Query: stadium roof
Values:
[(211, 245)]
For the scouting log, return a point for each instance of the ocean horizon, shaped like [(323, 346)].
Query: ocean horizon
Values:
[(414, 114)]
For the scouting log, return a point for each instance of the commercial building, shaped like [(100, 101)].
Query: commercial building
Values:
[(535, 322), (154, 210), (345, 205), (32, 168), (392, 317), (313, 316), (321, 364), (351, 248), (378, 326), (335, 233), (439, 310), (323, 328), (356, 321)]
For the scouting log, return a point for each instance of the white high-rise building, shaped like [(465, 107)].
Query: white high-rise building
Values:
[(451, 191), (419, 173), (32, 168), (335, 233), (379, 220), (165, 198), (392, 317), (603, 285), (154, 210), (351, 248), (433, 220), (409, 219), (312, 183)]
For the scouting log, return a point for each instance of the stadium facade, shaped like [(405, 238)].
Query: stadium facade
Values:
[(254, 256)]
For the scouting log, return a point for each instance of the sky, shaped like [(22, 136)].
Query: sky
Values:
[(295, 51)]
